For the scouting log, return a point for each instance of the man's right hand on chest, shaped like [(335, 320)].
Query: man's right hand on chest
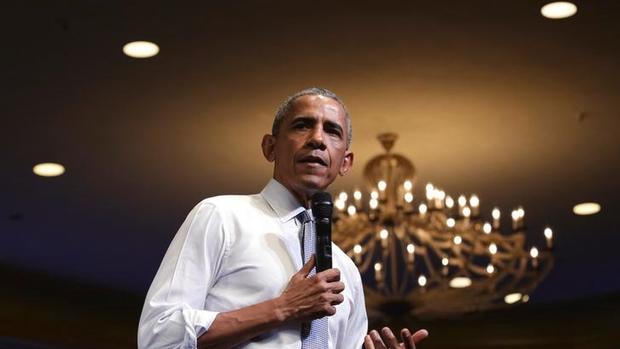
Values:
[(307, 298)]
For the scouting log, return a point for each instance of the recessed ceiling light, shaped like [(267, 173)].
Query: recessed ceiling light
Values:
[(141, 49), (513, 298), (48, 169), (460, 282), (558, 10), (586, 208)]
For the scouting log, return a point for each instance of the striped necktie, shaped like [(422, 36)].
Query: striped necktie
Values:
[(314, 335)]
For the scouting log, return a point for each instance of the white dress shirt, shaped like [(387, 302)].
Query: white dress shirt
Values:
[(232, 252)]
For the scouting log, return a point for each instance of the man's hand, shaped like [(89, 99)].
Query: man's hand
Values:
[(307, 298), (387, 339)]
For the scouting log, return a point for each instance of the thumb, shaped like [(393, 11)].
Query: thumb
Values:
[(305, 270)]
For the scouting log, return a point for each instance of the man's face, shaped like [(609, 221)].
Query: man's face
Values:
[(310, 149)]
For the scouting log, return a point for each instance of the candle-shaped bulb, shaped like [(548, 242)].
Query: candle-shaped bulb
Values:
[(410, 248), (445, 261), (374, 194), (373, 203), (450, 222), (548, 233), (408, 197), (495, 213), (357, 249), (351, 210), (449, 202), (422, 280), (534, 252), (357, 195), (493, 248), (378, 266), (466, 212), (474, 201), (383, 234), (343, 196), (457, 239), (462, 201), (381, 185), (515, 215), (521, 212), (340, 205), (422, 208), (408, 185), (490, 268), (486, 228)]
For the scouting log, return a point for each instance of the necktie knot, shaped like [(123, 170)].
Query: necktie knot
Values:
[(305, 216)]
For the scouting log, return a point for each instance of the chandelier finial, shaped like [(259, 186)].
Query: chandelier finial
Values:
[(387, 140)]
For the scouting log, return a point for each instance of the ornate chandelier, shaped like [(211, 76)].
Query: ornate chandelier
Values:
[(434, 257)]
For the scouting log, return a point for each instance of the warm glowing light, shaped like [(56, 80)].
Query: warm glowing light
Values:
[(357, 249), (374, 203), (48, 169), (466, 212), (340, 205), (548, 233), (490, 269), (474, 201), (343, 196), (374, 194), (495, 213), (493, 248), (411, 248), (429, 187), (515, 215), (378, 266), (383, 234), (445, 261), (487, 228), (512, 298), (521, 212), (525, 298), (462, 200), (408, 197), (382, 185), (460, 282), (408, 185), (586, 208), (450, 222), (351, 210), (440, 194), (559, 10), (458, 239), (422, 280), (140, 49), (534, 252), (449, 202), (357, 195), (422, 208)]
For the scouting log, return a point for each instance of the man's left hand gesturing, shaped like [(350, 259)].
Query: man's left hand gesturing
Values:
[(387, 340)]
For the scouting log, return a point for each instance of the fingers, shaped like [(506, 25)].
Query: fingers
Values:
[(389, 338), (330, 275), (376, 340), (305, 270), (368, 344), (408, 341), (420, 335)]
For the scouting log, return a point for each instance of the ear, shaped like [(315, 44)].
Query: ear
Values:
[(268, 145), (347, 163)]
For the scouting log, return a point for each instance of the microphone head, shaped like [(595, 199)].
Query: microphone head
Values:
[(322, 204)]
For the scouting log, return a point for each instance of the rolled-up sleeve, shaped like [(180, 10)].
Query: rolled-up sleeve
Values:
[(173, 315)]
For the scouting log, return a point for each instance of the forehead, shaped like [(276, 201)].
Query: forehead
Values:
[(315, 105)]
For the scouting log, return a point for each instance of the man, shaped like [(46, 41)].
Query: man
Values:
[(234, 274)]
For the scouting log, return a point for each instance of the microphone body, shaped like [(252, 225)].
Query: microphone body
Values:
[(322, 212)]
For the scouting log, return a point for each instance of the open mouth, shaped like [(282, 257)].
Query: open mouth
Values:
[(313, 160)]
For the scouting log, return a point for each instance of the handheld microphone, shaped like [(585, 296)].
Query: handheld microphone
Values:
[(322, 212)]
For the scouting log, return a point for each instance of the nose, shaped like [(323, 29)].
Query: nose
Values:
[(315, 141)]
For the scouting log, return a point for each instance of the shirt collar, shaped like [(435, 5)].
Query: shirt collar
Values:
[(281, 200)]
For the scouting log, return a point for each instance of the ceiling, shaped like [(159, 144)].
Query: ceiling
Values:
[(488, 97)]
